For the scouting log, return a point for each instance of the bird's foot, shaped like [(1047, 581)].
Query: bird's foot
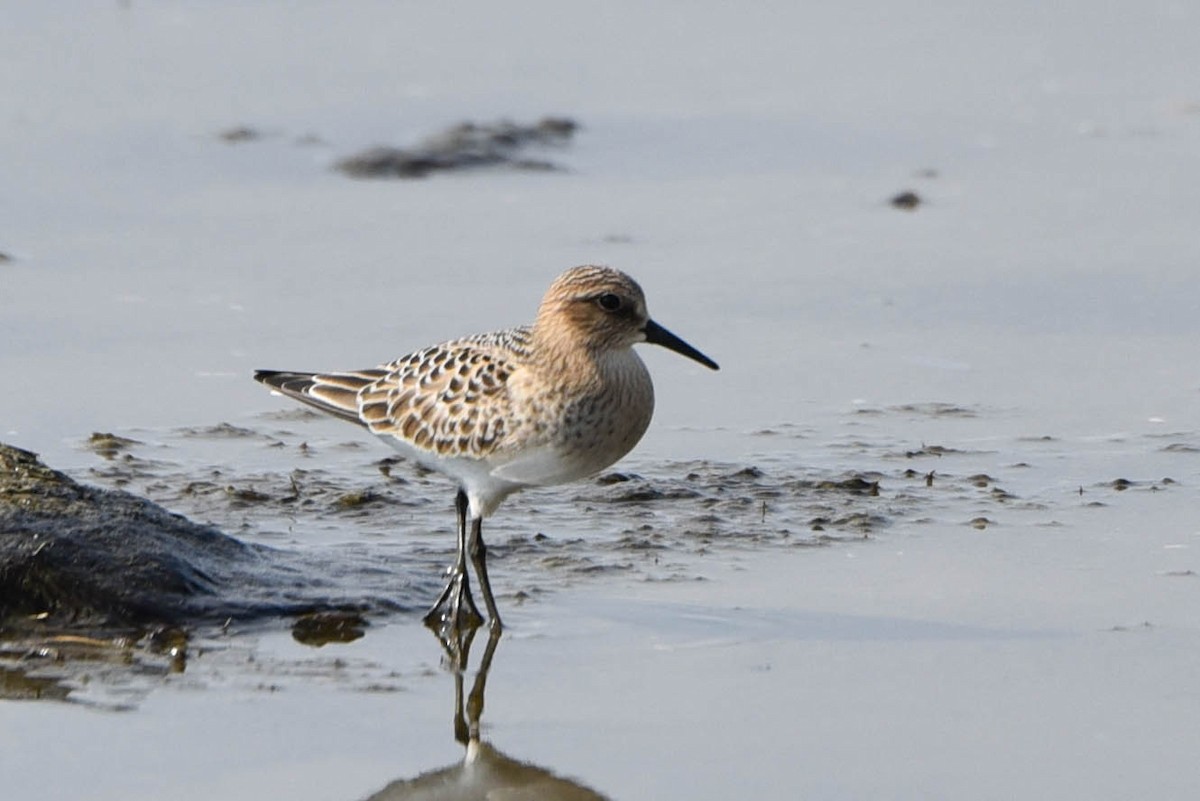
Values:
[(455, 608)]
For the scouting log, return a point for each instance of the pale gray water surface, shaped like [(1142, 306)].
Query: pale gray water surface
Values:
[(1021, 628)]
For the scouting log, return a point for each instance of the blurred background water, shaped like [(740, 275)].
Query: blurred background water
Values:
[(739, 161)]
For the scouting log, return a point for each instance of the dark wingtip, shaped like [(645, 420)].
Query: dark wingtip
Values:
[(272, 378)]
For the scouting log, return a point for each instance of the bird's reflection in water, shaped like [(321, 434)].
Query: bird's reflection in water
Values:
[(484, 773)]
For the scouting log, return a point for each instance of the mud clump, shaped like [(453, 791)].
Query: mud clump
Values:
[(906, 200), (16, 685), (109, 445), (321, 628), (356, 499), (857, 485), (465, 146)]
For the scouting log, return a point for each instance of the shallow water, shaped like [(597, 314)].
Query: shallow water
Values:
[(734, 610)]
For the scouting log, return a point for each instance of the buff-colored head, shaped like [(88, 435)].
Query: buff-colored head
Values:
[(602, 309)]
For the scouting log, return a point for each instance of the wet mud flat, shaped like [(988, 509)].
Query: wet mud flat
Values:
[(277, 523)]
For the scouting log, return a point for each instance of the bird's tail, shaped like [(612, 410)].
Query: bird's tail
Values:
[(332, 393)]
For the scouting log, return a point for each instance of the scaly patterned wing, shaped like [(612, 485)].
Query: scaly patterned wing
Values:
[(450, 399), (446, 400)]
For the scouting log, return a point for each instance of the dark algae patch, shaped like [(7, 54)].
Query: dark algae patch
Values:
[(78, 554), (466, 146), (80, 558)]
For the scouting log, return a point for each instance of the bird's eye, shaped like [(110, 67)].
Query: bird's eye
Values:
[(609, 301)]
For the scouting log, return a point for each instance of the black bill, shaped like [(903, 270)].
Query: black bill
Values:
[(657, 335)]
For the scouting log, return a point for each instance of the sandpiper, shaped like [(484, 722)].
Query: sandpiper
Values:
[(542, 404)]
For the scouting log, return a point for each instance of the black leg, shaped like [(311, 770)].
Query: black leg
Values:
[(478, 552), (462, 605), (457, 593)]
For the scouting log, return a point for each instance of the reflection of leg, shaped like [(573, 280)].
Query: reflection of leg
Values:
[(462, 610), (475, 700), (478, 552), (456, 644), (458, 652)]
